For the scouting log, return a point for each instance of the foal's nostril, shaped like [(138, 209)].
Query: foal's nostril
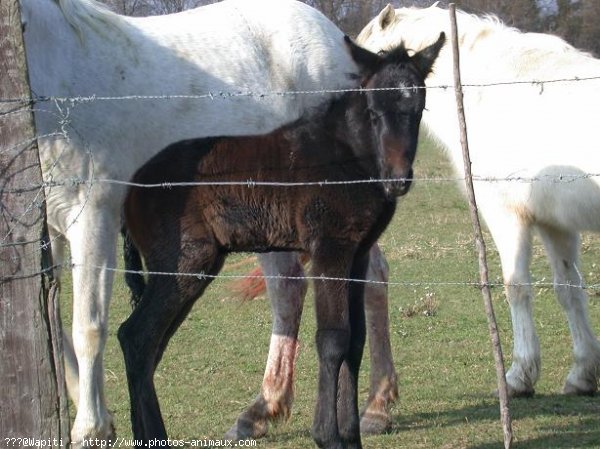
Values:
[(401, 184)]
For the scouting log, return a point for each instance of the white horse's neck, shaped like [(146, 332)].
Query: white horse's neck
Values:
[(62, 39), (49, 41)]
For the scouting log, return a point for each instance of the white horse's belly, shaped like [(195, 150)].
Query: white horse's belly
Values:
[(558, 197), (567, 199)]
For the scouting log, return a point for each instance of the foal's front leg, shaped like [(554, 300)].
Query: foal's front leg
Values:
[(334, 342), (287, 299), (347, 406)]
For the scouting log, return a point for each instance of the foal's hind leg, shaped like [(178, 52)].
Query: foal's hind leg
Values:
[(563, 253), (146, 333), (383, 391), (277, 393)]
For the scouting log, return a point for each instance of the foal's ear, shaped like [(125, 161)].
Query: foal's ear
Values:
[(425, 58), (367, 62)]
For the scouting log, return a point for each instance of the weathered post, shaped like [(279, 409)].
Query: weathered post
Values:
[(479, 242), (32, 401)]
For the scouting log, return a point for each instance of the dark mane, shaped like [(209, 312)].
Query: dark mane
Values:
[(396, 55)]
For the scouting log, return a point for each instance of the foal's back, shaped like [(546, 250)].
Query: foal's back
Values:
[(246, 217)]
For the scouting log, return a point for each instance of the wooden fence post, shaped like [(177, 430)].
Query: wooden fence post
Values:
[(33, 401)]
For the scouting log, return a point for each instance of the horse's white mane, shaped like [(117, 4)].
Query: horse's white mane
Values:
[(427, 23), (430, 21)]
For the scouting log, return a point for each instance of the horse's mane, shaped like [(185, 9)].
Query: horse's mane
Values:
[(397, 55), (88, 12), (418, 26)]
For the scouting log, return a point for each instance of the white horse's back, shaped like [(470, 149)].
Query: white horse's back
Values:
[(232, 47)]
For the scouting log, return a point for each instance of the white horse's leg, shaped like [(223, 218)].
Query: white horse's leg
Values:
[(383, 391), (277, 393), (93, 240), (512, 236), (563, 253)]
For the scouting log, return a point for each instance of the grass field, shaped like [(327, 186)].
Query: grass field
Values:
[(213, 367)]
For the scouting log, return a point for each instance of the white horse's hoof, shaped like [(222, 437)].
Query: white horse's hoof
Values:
[(576, 390), (102, 439), (514, 393), (521, 378)]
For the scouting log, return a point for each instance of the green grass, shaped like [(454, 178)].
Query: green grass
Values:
[(213, 367)]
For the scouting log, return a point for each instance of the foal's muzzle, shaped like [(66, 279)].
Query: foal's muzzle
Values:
[(400, 185)]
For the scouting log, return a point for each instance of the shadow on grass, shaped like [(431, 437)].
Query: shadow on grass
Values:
[(550, 421), (586, 435), (563, 421)]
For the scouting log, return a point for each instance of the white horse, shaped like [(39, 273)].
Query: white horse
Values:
[(76, 48), (545, 134)]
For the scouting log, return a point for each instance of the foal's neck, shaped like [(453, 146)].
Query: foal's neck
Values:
[(349, 118)]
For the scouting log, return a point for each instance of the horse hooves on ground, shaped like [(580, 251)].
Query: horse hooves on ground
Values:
[(573, 390), (106, 442), (244, 429), (375, 423), (515, 394)]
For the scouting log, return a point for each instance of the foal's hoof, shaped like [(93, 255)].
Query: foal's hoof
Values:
[(375, 423), (244, 429), (572, 389)]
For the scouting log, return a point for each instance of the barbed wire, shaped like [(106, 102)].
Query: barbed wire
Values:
[(249, 94), (65, 105), (391, 283), (250, 183)]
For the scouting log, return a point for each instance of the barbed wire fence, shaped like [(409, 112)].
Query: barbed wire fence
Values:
[(66, 106)]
